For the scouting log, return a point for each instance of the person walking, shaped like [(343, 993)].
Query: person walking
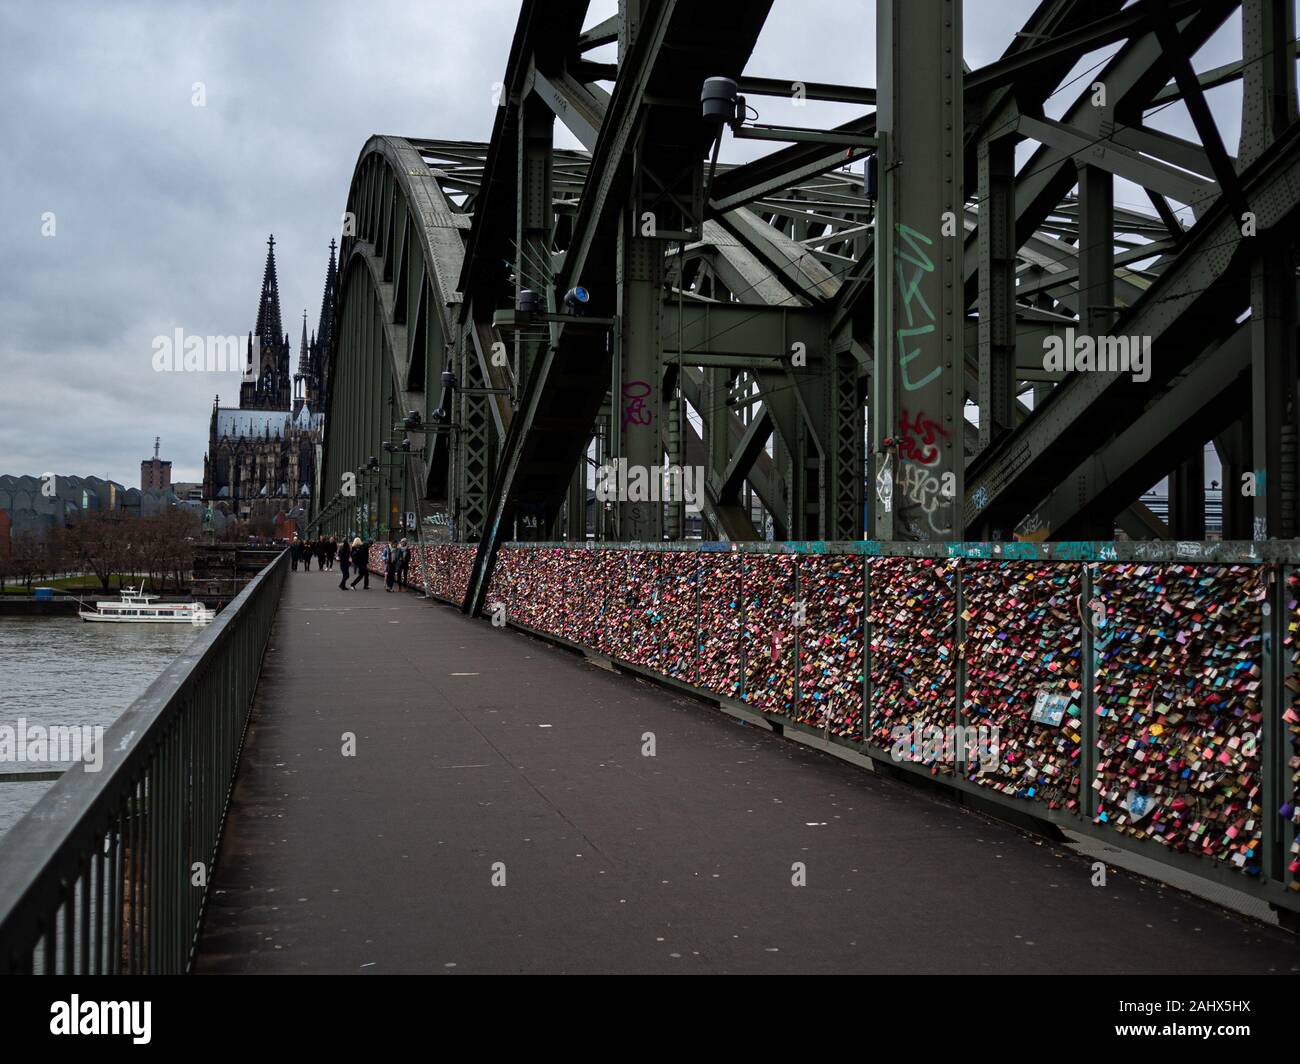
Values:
[(403, 563), (361, 563), (295, 554), (308, 549), (389, 559), (327, 549), (343, 566)]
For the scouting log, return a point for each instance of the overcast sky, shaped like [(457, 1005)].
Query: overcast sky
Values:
[(161, 208)]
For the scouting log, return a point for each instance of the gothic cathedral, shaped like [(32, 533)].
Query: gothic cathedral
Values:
[(263, 456)]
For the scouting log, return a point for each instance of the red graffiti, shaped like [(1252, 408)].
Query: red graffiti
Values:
[(930, 432)]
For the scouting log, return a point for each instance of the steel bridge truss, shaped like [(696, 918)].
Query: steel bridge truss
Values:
[(735, 323)]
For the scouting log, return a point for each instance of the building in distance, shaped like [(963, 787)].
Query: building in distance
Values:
[(262, 460)]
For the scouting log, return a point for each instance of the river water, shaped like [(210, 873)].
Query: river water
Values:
[(61, 670)]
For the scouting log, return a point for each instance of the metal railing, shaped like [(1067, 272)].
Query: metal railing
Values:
[(109, 872)]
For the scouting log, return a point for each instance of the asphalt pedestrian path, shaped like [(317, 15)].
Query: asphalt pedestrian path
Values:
[(498, 814)]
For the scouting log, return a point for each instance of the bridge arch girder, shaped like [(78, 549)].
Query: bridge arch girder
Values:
[(402, 248)]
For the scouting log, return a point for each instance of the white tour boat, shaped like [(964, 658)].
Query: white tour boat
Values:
[(135, 607)]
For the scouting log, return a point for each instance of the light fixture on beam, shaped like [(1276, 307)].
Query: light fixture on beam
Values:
[(721, 104)]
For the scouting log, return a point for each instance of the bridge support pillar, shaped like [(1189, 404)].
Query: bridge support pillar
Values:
[(997, 294), (636, 382), (1187, 498), (1273, 387), (1233, 447), (575, 519), (918, 391)]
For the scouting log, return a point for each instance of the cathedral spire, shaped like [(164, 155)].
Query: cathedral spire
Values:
[(268, 306), (304, 369), (325, 327), (271, 387)]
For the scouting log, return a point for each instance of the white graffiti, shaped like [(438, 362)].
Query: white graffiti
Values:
[(924, 489), (885, 483), (1032, 523)]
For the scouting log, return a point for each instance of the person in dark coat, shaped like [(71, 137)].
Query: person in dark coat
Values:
[(329, 548), (389, 558), (403, 564), (343, 566), (308, 549), (295, 554), (361, 563)]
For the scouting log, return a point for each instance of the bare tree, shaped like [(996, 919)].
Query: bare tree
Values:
[(26, 556), (149, 550), (101, 544), (179, 531)]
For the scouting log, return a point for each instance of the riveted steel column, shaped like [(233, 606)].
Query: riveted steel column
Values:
[(535, 218), (675, 505), (1187, 498), (1097, 281), (636, 382), (1096, 250), (575, 516), (635, 385), (997, 291), (717, 429), (1268, 97), (1273, 388), (918, 390), (1268, 108)]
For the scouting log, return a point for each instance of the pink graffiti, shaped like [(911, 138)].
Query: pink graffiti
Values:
[(635, 411)]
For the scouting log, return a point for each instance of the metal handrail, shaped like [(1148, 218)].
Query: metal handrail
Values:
[(109, 872)]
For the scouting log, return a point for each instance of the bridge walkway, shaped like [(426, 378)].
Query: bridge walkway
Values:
[(483, 753)]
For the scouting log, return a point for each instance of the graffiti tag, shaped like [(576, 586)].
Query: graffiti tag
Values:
[(635, 410)]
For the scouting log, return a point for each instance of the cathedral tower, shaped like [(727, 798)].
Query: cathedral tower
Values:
[(268, 348)]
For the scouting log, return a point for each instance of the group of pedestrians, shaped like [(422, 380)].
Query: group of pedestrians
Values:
[(353, 560), (323, 550), (354, 557)]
